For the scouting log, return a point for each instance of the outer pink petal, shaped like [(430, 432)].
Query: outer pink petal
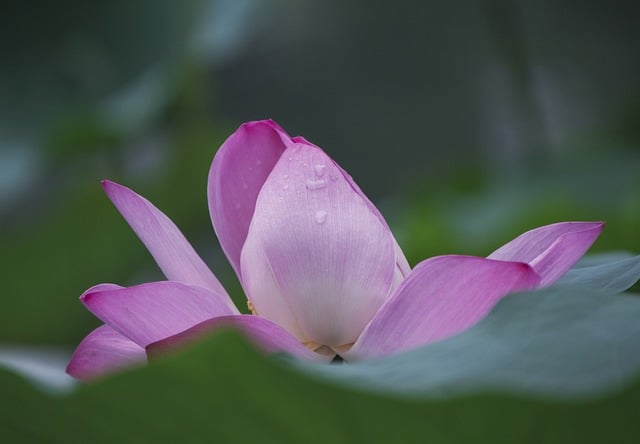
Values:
[(551, 250), (269, 336), (173, 253), (237, 173), (104, 351), (441, 297), (150, 312), (330, 257)]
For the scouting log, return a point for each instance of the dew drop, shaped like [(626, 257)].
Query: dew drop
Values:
[(320, 216), (315, 184), (319, 169)]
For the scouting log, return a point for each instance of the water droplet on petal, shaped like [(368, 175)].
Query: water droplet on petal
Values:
[(319, 169), (320, 216), (315, 184)]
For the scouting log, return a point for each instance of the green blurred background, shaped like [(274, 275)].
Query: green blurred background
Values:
[(465, 122)]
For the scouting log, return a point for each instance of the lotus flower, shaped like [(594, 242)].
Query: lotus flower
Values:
[(322, 272)]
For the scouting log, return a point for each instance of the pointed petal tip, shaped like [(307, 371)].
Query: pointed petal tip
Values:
[(588, 225), (113, 190), (108, 184)]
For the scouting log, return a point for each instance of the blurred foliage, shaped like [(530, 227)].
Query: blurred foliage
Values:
[(198, 397), (467, 125)]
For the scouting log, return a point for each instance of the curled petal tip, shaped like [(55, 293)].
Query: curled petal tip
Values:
[(552, 249), (300, 139)]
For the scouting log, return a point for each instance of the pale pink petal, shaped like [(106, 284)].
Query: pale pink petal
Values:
[(261, 281), (403, 268), (330, 257), (268, 336), (441, 297), (150, 312), (237, 173), (551, 250), (104, 351), (175, 256)]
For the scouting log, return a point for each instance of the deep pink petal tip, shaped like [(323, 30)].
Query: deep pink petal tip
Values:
[(552, 249)]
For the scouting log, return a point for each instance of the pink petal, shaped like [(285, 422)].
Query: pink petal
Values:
[(237, 173), (104, 351), (551, 250), (403, 267), (442, 296), (175, 256), (327, 259), (269, 336), (150, 312)]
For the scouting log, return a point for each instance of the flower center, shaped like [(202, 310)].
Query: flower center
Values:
[(319, 348), (251, 308), (311, 345)]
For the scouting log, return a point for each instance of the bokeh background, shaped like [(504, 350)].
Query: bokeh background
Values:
[(465, 122)]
